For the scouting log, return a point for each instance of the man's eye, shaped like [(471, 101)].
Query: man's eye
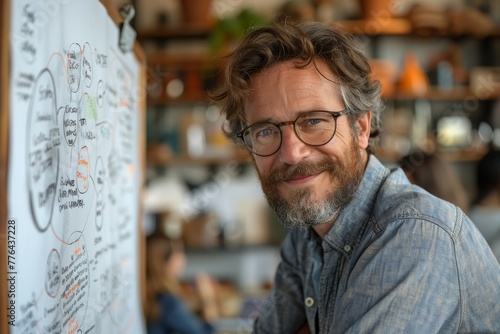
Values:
[(314, 121), (265, 132), (311, 122)]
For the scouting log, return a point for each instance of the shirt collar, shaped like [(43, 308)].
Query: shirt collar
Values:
[(345, 232)]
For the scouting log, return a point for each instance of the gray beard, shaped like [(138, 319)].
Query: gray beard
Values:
[(300, 212)]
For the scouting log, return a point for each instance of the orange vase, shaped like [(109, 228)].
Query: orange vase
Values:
[(413, 80)]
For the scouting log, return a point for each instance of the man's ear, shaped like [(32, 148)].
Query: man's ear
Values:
[(364, 125)]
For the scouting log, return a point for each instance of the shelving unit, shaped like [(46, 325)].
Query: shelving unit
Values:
[(396, 26), (191, 68), (165, 32), (459, 96)]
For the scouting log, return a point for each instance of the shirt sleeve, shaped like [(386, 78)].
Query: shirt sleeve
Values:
[(283, 310), (406, 281), (176, 317)]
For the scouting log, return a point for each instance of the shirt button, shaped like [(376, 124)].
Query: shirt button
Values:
[(347, 248), (309, 302)]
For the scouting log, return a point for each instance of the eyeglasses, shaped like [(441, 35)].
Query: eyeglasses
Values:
[(315, 128)]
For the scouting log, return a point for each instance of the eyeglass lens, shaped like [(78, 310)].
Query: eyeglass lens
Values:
[(313, 128)]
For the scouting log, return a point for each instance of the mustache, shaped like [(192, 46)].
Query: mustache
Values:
[(303, 169)]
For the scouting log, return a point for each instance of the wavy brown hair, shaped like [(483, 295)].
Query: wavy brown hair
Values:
[(303, 44)]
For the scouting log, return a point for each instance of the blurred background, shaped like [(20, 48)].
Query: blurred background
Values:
[(439, 64)]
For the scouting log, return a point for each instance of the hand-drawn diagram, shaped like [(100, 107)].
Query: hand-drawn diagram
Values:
[(74, 106)]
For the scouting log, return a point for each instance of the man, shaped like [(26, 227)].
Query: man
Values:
[(367, 252)]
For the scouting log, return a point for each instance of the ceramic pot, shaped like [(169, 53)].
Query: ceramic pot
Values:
[(375, 9), (196, 11)]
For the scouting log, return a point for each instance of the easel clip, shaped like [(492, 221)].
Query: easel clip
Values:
[(127, 33)]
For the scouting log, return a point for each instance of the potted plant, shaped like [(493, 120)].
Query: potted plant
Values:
[(229, 29)]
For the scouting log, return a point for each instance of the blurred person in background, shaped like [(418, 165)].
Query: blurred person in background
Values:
[(485, 211), (436, 175), (165, 310)]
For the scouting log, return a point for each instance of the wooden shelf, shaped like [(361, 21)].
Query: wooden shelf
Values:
[(395, 26), (182, 100), (198, 60), (242, 248), (374, 28), (175, 32), (240, 158), (445, 94), (465, 155), (434, 94), (468, 155)]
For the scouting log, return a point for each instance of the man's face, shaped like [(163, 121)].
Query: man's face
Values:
[(306, 185)]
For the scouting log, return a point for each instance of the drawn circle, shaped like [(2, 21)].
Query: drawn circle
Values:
[(70, 121), (53, 274), (83, 170), (88, 65), (42, 148), (74, 67)]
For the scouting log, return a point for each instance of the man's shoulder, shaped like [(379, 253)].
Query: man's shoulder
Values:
[(399, 201)]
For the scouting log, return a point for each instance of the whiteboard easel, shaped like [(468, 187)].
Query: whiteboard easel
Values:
[(80, 167)]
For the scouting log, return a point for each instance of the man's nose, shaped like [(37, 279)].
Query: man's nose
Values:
[(292, 149)]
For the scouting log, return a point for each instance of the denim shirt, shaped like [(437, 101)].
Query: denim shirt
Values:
[(397, 260)]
